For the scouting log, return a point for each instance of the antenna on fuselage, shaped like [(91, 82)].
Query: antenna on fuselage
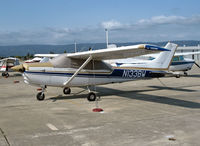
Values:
[(106, 30)]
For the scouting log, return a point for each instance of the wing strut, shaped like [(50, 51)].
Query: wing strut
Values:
[(74, 75)]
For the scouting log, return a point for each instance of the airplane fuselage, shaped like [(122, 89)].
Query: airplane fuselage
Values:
[(84, 79)]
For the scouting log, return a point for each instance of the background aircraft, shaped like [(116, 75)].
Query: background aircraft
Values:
[(35, 59), (89, 69), (6, 64), (182, 63)]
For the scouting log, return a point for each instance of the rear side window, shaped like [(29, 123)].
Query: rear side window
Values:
[(181, 58)]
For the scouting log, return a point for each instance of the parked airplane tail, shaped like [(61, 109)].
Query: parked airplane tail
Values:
[(164, 59)]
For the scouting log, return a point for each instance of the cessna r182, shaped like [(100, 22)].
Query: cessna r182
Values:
[(89, 69)]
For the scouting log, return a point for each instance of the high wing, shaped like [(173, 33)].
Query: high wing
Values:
[(187, 53), (112, 53), (117, 52)]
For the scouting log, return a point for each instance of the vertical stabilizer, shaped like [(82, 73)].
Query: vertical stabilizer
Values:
[(164, 59)]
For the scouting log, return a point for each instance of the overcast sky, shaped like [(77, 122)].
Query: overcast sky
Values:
[(63, 21)]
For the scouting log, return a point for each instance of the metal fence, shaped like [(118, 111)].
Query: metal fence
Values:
[(196, 57)]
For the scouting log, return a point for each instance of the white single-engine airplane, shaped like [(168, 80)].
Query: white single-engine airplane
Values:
[(89, 69), (6, 64)]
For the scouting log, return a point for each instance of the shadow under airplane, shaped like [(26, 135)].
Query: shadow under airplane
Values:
[(138, 95)]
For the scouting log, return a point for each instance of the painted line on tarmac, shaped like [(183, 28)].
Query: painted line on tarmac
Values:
[(56, 133), (52, 127)]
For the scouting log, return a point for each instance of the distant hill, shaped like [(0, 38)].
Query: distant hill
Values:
[(22, 50)]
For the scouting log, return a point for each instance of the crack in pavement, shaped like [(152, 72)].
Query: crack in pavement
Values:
[(4, 135)]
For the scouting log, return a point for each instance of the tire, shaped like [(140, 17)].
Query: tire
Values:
[(6, 75), (66, 90), (185, 73), (91, 96), (178, 76), (40, 96), (3, 74)]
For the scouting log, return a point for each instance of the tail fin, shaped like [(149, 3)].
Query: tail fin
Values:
[(164, 59)]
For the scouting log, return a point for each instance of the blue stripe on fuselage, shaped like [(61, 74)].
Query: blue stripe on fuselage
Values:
[(117, 73), (173, 63)]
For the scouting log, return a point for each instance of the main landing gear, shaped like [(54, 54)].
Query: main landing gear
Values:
[(66, 90), (178, 76), (41, 96), (91, 95), (185, 73)]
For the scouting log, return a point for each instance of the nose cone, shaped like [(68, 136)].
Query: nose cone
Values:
[(18, 68)]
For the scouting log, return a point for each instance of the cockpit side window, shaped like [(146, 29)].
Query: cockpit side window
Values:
[(16, 62), (175, 58)]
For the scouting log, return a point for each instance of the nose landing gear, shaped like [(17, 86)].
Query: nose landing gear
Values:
[(41, 96)]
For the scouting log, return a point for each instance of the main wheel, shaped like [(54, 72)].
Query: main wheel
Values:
[(7, 75), (91, 96), (3, 74), (40, 96), (185, 73), (178, 76), (66, 90)]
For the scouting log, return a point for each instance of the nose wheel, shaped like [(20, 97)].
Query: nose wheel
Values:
[(40, 95)]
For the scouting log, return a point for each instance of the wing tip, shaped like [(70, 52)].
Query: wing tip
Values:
[(141, 47)]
